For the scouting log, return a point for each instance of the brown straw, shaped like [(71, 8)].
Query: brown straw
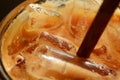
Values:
[(100, 22)]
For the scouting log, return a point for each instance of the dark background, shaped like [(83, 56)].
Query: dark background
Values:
[(6, 6)]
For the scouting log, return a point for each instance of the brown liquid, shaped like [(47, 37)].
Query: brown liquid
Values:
[(23, 51)]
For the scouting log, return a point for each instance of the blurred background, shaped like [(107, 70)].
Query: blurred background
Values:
[(6, 6)]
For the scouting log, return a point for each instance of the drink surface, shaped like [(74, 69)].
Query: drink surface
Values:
[(61, 25)]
